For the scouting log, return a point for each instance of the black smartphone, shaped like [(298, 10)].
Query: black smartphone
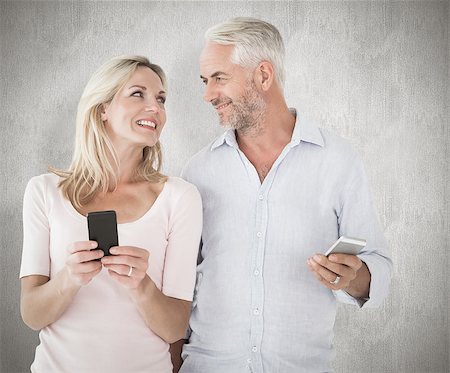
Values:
[(102, 226)]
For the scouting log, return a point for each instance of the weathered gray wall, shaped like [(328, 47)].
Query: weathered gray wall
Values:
[(375, 72)]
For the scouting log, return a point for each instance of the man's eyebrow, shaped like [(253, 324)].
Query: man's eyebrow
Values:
[(217, 73)]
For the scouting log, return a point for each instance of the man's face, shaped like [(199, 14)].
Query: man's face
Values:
[(230, 88)]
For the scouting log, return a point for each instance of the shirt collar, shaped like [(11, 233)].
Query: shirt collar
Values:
[(228, 137), (305, 131)]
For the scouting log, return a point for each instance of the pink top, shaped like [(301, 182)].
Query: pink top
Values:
[(101, 330)]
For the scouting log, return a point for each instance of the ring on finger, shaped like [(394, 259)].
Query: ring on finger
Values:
[(336, 280)]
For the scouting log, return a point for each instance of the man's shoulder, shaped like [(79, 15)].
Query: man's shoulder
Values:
[(337, 146), (203, 155), (200, 162)]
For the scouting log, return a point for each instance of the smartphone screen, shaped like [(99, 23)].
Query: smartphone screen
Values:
[(347, 245), (102, 226)]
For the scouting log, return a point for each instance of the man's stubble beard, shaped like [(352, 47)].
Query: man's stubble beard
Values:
[(247, 113)]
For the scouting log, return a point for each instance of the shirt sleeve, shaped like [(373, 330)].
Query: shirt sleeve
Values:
[(36, 230), (358, 219), (183, 244)]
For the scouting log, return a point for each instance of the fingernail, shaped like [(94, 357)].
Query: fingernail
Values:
[(316, 258), (94, 245), (332, 257), (113, 250)]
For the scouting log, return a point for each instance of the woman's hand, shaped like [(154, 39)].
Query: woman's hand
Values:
[(83, 264), (128, 265), (43, 301), (167, 317)]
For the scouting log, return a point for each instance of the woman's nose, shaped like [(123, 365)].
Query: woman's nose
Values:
[(152, 106)]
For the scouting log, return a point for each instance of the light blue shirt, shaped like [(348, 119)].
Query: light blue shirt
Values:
[(257, 307)]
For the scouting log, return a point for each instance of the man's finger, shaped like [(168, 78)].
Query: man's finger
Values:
[(324, 272), (349, 260)]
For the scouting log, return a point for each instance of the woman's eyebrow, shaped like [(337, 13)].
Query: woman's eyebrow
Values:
[(138, 86), (145, 88)]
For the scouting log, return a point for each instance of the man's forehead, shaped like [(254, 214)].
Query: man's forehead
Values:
[(215, 55)]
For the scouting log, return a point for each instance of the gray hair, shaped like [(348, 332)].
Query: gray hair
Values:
[(254, 41)]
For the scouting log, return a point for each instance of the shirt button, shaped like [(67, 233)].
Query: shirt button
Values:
[(259, 234), (260, 197), (256, 312), (254, 349), (256, 272), (249, 361)]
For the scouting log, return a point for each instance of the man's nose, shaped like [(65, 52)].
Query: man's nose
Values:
[(210, 93)]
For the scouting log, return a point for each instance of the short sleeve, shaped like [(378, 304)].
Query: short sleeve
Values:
[(185, 226), (36, 230), (358, 219)]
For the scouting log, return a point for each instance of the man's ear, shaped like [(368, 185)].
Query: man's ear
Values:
[(265, 75), (103, 108)]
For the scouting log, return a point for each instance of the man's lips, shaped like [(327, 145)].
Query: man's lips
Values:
[(222, 106)]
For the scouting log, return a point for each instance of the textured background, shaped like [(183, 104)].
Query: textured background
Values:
[(375, 72)]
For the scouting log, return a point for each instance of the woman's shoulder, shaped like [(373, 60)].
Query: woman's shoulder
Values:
[(43, 182), (178, 187), (42, 190), (179, 183)]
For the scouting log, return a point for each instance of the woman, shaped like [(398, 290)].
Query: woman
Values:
[(114, 313)]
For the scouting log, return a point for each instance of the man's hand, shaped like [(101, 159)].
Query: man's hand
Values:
[(341, 272)]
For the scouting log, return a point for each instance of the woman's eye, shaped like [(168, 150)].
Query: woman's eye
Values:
[(137, 94), (161, 99)]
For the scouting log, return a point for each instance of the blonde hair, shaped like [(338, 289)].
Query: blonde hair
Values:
[(91, 170), (254, 41)]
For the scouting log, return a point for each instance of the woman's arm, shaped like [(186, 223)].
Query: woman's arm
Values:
[(43, 301), (167, 317)]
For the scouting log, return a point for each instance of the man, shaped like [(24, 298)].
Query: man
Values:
[(277, 191)]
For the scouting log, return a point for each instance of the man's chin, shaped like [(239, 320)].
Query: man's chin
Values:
[(226, 125)]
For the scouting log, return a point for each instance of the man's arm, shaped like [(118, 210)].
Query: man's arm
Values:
[(365, 276)]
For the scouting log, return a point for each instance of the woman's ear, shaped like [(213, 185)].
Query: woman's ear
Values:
[(103, 108)]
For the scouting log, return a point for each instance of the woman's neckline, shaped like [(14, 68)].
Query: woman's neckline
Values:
[(75, 213)]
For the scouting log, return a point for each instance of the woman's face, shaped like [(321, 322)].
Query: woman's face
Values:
[(136, 115)]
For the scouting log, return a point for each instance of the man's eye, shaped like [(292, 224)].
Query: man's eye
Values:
[(204, 81), (219, 79), (137, 94), (161, 99)]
